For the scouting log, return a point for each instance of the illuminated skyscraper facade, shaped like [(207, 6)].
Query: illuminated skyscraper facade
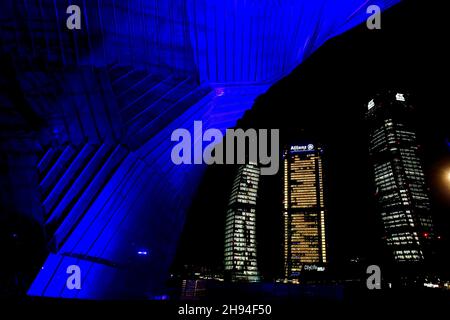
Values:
[(402, 195), (303, 211), (240, 239)]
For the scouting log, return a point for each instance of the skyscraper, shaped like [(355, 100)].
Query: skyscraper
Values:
[(303, 211), (402, 195), (240, 239)]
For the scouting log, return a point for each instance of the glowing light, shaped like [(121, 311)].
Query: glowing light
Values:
[(400, 97)]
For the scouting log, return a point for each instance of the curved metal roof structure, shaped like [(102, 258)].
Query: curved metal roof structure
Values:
[(110, 95)]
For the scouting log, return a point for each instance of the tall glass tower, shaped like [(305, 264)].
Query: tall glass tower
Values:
[(303, 211), (402, 195), (240, 238)]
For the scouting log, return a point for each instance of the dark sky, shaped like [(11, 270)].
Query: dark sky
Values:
[(325, 98)]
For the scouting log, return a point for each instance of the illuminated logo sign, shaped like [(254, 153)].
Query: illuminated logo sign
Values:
[(371, 104), (400, 97), (309, 147), (313, 267)]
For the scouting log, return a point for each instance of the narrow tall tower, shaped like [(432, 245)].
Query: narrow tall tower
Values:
[(240, 237)]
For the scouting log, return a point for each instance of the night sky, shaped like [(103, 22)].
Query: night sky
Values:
[(325, 100)]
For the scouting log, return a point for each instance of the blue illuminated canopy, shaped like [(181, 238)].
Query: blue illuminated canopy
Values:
[(110, 96)]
